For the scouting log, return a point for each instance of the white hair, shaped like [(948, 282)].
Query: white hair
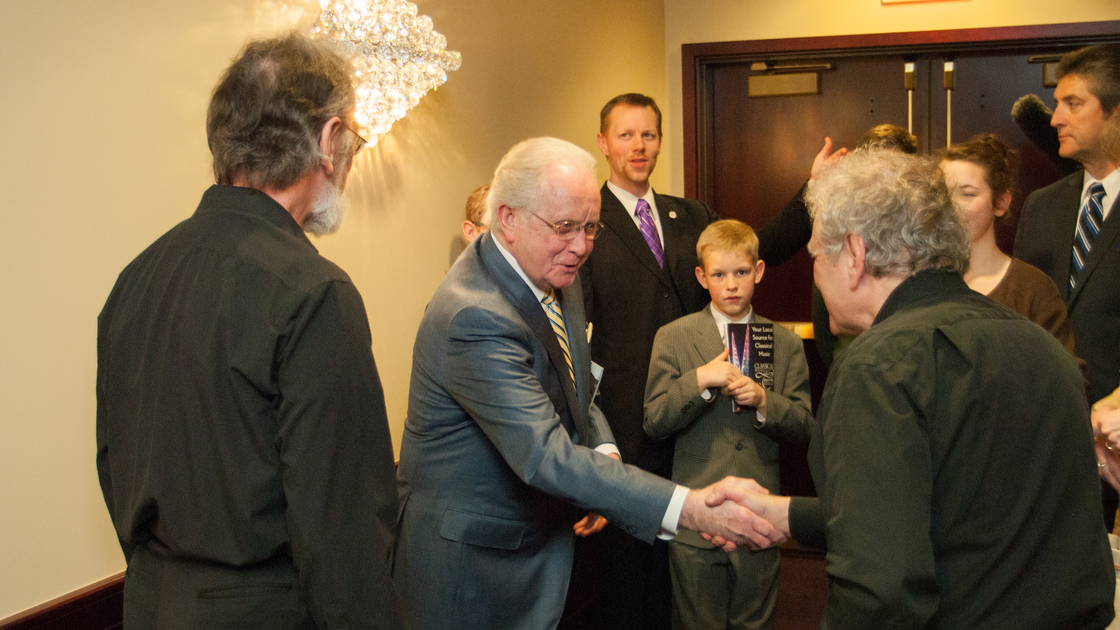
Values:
[(898, 204), (522, 180)]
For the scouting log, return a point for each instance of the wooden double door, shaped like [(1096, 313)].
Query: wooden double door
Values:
[(748, 155)]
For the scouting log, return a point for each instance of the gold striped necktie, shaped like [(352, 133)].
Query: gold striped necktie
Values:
[(556, 318)]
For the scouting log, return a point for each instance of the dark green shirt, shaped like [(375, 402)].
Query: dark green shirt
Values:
[(240, 418), (954, 461)]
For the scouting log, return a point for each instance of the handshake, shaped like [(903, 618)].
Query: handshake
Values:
[(735, 513)]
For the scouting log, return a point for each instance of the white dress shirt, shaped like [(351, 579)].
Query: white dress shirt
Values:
[(630, 202), (1111, 190)]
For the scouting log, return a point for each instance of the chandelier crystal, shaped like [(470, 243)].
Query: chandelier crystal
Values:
[(398, 56)]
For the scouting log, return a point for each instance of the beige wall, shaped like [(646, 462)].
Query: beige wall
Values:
[(695, 21), (104, 149)]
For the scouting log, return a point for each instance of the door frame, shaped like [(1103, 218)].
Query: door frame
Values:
[(697, 61)]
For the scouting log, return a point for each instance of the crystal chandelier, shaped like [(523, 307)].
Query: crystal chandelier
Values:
[(397, 57)]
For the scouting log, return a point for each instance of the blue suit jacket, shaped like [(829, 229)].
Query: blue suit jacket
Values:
[(491, 478)]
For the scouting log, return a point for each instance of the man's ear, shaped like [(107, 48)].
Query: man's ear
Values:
[(602, 140), (856, 259), (329, 137), (506, 218)]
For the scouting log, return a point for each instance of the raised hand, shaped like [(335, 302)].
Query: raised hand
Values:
[(826, 158)]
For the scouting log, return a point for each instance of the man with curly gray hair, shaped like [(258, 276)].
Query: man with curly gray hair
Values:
[(952, 452), (242, 442)]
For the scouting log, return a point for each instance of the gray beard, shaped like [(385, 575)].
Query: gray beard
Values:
[(326, 212)]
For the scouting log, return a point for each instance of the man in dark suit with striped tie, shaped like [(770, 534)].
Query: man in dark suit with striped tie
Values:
[(1071, 229)]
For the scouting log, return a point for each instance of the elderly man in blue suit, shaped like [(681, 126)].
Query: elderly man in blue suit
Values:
[(505, 458)]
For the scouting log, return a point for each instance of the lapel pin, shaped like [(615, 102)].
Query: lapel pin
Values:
[(672, 214)]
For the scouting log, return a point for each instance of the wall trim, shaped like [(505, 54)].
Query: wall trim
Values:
[(98, 606)]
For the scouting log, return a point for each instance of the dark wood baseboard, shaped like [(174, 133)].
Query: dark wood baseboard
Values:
[(802, 590), (99, 606)]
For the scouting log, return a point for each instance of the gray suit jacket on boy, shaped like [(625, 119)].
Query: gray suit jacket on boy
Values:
[(712, 441)]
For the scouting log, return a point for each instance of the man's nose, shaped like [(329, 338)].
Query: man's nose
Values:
[(580, 244)]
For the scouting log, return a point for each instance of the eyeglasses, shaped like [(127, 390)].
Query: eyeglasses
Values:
[(567, 230), (359, 141)]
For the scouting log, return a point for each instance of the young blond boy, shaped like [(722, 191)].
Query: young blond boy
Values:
[(689, 393)]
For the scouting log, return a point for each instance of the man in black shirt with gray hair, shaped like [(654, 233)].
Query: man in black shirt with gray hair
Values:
[(952, 452), (242, 442)]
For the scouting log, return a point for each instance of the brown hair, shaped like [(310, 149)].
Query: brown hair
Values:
[(632, 99), (476, 204), (1101, 66), (998, 160), (889, 137)]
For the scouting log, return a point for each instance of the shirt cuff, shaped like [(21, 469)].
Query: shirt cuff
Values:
[(608, 448), (706, 394), (672, 519), (759, 420)]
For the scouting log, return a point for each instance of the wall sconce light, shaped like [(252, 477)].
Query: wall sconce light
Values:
[(398, 57)]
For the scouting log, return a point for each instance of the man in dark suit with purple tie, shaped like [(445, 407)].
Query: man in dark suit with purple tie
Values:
[(640, 277)]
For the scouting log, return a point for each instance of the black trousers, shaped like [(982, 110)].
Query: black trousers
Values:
[(169, 593), (619, 583)]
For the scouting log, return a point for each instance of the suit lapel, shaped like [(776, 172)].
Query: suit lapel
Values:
[(525, 301), (1106, 240), (708, 342), (667, 212), (1066, 207), (619, 221)]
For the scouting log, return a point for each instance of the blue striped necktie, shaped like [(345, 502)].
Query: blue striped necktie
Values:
[(556, 318), (1088, 226)]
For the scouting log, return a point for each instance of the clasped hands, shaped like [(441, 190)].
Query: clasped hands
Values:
[(731, 513), (731, 382), (735, 513)]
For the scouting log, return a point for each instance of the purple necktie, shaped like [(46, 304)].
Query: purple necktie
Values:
[(649, 231)]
